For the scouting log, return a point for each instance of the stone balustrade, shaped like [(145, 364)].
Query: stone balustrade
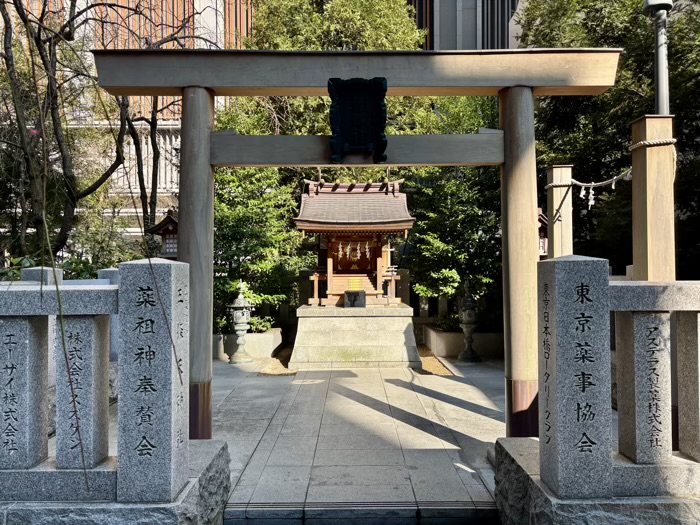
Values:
[(152, 302), (578, 457)]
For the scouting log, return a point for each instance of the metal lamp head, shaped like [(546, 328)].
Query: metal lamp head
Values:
[(652, 6)]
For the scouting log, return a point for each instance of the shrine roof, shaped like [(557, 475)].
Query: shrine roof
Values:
[(367, 208)]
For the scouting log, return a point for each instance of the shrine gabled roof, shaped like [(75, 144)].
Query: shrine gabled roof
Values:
[(166, 225), (366, 208)]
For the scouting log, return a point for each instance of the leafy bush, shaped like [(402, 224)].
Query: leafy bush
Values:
[(260, 324), (449, 323)]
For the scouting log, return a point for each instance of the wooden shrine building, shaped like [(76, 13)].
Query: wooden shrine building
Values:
[(355, 222)]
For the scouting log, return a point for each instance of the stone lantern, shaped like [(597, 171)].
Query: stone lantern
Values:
[(467, 321), (240, 313)]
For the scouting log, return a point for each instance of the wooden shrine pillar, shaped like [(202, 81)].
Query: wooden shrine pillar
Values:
[(520, 256), (653, 217), (196, 247), (560, 228), (653, 228)]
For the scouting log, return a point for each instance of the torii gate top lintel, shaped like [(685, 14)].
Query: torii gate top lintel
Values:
[(409, 73)]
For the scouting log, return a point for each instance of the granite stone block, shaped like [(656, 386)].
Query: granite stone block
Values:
[(679, 476), (522, 498), (42, 274), (153, 380), (23, 391), (113, 275), (46, 482), (47, 276), (574, 373), (687, 345), (20, 299), (643, 296), (82, 391), (644, 402), (200, 502)]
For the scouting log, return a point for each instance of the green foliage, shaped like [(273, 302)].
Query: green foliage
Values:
[(99, 239), (456, 235), (259, 325), (254, 238), (593, 133), (456, 238), (13, 269), (449, 323)]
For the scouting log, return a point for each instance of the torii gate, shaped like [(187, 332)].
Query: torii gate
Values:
[(516, 76)]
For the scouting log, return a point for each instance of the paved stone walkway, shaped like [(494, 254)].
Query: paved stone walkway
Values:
[(370, 445)]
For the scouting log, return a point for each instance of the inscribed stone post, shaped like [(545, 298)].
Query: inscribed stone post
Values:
[(153, 380), (23, 361), (644, 396), (574, 375), (82, 397)]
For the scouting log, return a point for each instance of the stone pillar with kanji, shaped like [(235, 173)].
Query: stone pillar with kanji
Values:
[(153, 380), (574, 374)]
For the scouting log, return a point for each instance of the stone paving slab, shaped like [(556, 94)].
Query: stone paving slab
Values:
[(369, 445)]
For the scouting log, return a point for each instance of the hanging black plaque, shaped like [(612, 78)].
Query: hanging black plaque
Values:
[(358, 117)]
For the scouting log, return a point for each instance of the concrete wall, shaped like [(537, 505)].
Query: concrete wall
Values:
[(258, 346), (450, 344)]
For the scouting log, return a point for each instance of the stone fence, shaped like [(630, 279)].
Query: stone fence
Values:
[(578, 457), (152, 302)]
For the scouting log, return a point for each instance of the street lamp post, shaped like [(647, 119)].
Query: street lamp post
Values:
[(659, 10), (240, 312)]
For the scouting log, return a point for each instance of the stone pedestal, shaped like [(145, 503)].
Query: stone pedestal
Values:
[(153, 380), (641, 494), (644, 397), (574, 368), (375, 336), (23, 362), (82, 391)]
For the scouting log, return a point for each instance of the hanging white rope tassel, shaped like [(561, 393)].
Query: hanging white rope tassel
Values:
[(591, 198)]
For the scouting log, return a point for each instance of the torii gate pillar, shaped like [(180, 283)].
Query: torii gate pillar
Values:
[(520, 256), (196, 246)]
